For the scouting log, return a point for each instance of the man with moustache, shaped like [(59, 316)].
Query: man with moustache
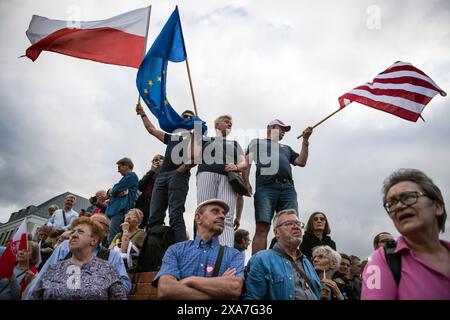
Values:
[(283, 264), (194, 270)]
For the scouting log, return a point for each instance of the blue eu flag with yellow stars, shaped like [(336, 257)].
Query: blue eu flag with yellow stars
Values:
[(152, 76)]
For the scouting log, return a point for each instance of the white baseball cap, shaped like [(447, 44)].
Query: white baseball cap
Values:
[(220, 202), (279, 123)]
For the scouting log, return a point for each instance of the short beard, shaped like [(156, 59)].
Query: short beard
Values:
[(293, 242), (218, 231)]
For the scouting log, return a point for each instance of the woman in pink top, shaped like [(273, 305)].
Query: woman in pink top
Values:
[(416, 206)]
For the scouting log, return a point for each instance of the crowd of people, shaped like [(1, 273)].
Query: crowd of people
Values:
[(89, 255)]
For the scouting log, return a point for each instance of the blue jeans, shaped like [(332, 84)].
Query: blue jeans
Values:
[(271, 198), (170, 191), (114, 226)]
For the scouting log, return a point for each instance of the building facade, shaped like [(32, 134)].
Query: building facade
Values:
[(37, 216)]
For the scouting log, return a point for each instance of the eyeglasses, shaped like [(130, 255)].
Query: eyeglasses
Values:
[(291, 223), (157, 160), (385, 241), (407, 198), (319, 219), (187, 116)]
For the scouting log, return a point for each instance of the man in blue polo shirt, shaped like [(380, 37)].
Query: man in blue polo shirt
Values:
[(274, 184), (189, 268)]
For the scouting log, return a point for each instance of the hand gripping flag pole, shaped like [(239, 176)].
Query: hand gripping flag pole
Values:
[(402, 90)]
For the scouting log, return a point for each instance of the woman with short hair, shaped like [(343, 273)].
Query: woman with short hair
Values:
[(326, 262), (82, 276), (129, 242), (417, 265)]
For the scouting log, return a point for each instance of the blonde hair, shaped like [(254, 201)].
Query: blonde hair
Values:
[(222, 117), (34, 257), (138, 212)]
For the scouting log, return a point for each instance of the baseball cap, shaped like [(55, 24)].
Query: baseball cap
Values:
[(279, 123), (220, 202)]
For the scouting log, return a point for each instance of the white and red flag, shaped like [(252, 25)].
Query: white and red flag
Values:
[(18, 242), (118, 40), (402, 90)]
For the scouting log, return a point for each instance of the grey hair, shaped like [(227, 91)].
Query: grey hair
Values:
[(425, 183), (280, 213), (333, 255)]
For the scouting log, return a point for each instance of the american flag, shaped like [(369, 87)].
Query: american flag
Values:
[(402, 90)]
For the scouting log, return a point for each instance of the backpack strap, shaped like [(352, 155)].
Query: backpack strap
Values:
[(394, 260), (64, 217), (218, 261)]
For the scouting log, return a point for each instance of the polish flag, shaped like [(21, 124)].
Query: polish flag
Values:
[(18, 242), (119, 40)]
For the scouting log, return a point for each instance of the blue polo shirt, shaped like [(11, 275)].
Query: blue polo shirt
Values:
[(197, 258)]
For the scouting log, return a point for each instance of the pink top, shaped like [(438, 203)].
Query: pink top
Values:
[(419, 279)]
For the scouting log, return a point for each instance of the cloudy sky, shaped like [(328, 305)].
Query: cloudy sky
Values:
[(64, 122)]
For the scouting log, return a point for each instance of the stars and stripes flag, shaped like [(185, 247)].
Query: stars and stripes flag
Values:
[(402, 90)]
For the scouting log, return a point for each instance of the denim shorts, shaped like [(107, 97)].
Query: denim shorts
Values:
[(271, 198)]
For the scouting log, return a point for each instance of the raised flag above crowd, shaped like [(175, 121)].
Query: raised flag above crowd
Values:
[(18, 242), (119, 40), (152, 75), (402, 90)]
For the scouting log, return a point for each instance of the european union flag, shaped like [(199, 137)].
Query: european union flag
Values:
[(152, 76)]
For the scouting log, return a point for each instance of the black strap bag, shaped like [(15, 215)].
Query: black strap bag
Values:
[(237, 183)]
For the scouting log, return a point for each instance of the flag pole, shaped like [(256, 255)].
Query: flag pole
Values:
[(28, 256), (188, 69), (145, 46), (323, 120), (190, 84)]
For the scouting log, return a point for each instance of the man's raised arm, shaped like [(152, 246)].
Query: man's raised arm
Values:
[(149, 125), (303, 156)]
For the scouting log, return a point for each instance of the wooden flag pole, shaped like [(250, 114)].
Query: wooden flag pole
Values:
[(323, 120), (145, 46), (190, 84)]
